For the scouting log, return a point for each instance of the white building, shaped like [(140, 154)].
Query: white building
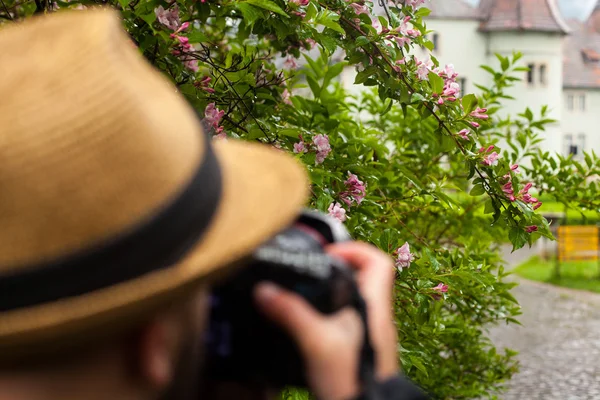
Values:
[(564, 61)]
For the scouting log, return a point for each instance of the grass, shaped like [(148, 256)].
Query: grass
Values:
[(582, 275)]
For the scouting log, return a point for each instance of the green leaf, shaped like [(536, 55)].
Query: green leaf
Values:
[(436, 82), (362, 76), (124, 4), (251, 13), (362, 40), (333, 71), (289, 132), (489, 207), (330, 20), (311, 11), (477, 190), (314, 86), (267, 5), (469, 103), (518, 237), (199, 36), (388, 241)]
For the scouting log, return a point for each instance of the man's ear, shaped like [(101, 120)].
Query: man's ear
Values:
[(156, 346)]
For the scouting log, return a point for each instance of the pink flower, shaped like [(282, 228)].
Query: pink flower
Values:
[(508, 188), (515, 168), (285, 96), (169, 18), (309, 44), (474, 124), (414, 3), (300, 14), (337, 211), (192, 65), (290, 63), (321, 142), (452, 89), (213, 115), (491, 159), (480, 113), (538, 205), (220, 134), (450, 72), (531, 229), (359, 9), (526, 188), (405, 257), (441, 288), (423, 72), (464, 134), (300, 2), (377, 25), (183, 27), (355, 190), (300, 148)]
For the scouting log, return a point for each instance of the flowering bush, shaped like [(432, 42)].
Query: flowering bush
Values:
[(410, 166)]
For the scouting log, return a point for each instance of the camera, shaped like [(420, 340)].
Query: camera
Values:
[(241, 344)]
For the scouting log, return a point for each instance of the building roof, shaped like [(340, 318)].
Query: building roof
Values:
[(522, 15), (452, 9), (581, 56)]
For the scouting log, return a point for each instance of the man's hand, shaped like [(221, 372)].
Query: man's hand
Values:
[(331, 344)]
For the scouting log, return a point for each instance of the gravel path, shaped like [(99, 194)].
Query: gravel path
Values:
[(559, 342)]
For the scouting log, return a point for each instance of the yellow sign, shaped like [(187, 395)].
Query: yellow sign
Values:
[(576, 243)]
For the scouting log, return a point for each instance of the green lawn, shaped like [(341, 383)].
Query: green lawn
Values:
[(581, 275)]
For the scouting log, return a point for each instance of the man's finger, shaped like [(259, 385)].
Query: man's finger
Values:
[(290, 311), (375, 268)]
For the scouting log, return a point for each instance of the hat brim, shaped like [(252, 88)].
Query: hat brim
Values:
[(263, 191)]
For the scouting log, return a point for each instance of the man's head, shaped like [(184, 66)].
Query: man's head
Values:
[(116, 212)]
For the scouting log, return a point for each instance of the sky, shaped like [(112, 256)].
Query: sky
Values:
[(569, 8)]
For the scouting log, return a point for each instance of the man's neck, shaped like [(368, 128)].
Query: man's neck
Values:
[(104, 378)]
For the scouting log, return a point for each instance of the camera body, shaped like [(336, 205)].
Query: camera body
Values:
[(241, 344)]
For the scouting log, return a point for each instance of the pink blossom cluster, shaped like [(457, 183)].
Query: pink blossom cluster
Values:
[(185, 50), (489, 158), (337, 211), (286, 97), (414, 3), (359, 8), (451, 87), (204, 84), (440, 289), (523, 194), (170, 19), (320, 144), (404, 257), (355, 190), (290, 63), (404, 34), (213, 116)]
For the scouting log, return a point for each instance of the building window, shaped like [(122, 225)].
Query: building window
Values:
[(543, 74), (435, 39), (581, 143), (570, 147), (463, 86), (570, 102), (530, 73), (582, 102)]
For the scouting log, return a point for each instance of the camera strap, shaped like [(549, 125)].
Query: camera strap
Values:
[(367, 356), (395, 388)]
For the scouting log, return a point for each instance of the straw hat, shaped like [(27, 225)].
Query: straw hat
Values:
[(113, 200)]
